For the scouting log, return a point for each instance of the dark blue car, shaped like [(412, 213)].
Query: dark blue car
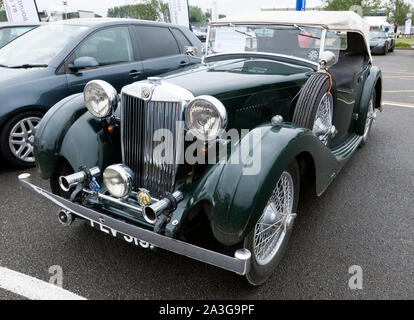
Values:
[(57, 60)]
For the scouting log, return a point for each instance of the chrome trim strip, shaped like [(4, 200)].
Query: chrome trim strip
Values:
[(323, 40), (113, 200), (237, 265), (161, 91), (260, 54)]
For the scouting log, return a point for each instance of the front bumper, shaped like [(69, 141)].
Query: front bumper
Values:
[(240, 264), (378, 49)]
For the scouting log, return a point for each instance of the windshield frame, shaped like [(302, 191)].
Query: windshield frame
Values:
[(321, 49)]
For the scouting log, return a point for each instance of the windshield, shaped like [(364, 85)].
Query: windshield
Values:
[(8, 34), (300, 42), (377, 34), (39, 46)]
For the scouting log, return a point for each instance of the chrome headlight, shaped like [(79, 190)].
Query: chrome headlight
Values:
[(205, 117), (118, 179), (101, 98)]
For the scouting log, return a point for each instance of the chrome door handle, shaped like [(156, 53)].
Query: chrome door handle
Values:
[(135, 73)]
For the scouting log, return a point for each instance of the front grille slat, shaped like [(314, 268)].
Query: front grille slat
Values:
[(140, 120)]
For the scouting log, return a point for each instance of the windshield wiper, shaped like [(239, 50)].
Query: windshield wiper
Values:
[(3, 66), (305, 34), (242, 32), (28, 66)]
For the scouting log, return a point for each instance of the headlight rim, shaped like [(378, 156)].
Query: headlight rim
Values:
[(219, 107), (126, 176), (112, 96)]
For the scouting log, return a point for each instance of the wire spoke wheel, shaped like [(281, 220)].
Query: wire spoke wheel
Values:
[(370, 119), (270, 230), (21, 139), (324, 118)]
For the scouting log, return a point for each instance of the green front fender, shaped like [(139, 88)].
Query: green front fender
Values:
[(369, 87), (69, 131), (87, 144), (238, 199), (52, 130)]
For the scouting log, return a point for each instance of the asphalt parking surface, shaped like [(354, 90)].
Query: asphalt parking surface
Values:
[(365, 218)]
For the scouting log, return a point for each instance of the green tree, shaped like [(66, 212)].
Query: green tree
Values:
[(345, 5), (397, 11), (149, 10), (164, 9), (3, 16), (197, 15)]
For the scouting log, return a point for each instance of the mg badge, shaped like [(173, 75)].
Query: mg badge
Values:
[(146, 93), (144, 197)]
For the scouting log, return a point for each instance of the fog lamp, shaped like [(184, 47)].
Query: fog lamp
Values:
[(118, 179)]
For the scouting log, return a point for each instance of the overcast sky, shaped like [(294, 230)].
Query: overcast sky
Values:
[(227, 7)]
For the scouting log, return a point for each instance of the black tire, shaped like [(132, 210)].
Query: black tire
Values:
[(63, 168), (5, 150), (312, 93), (392, 48), (386, 50), (258, 274)]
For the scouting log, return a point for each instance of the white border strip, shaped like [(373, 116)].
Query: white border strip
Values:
[(398, 105), (32, 288)]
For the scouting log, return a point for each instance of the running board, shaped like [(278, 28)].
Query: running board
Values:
[(345, 150)]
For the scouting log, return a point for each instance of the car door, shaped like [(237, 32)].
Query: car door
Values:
[(349, 74), (112, 48), (159, 49)]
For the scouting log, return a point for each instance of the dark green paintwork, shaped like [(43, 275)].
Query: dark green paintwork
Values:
[(252, 90), (69, 131)]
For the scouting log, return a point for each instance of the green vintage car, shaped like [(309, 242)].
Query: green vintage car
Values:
[(209, 162)]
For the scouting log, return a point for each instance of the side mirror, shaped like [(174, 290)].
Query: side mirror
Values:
[(327, 59), (191, 51), (83, 63)]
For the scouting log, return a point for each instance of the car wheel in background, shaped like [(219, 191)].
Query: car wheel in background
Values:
[(315, 107), (385, 50), (17, 138), (268, 240)]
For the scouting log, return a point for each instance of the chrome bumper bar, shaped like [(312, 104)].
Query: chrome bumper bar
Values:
[(240, 264)]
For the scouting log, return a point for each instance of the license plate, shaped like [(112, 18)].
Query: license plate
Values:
[(116, 234)]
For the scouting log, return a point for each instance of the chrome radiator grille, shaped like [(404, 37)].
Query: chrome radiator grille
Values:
[(140, 121)]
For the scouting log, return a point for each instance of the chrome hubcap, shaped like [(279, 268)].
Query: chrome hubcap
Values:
[(322, 127), (277, 218), (370, 119), (21, 139)]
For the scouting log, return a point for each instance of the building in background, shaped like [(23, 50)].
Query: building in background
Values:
[(64, 12), (379, 23)]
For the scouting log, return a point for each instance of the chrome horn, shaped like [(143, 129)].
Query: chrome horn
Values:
[(152, 212), (67, 182)]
